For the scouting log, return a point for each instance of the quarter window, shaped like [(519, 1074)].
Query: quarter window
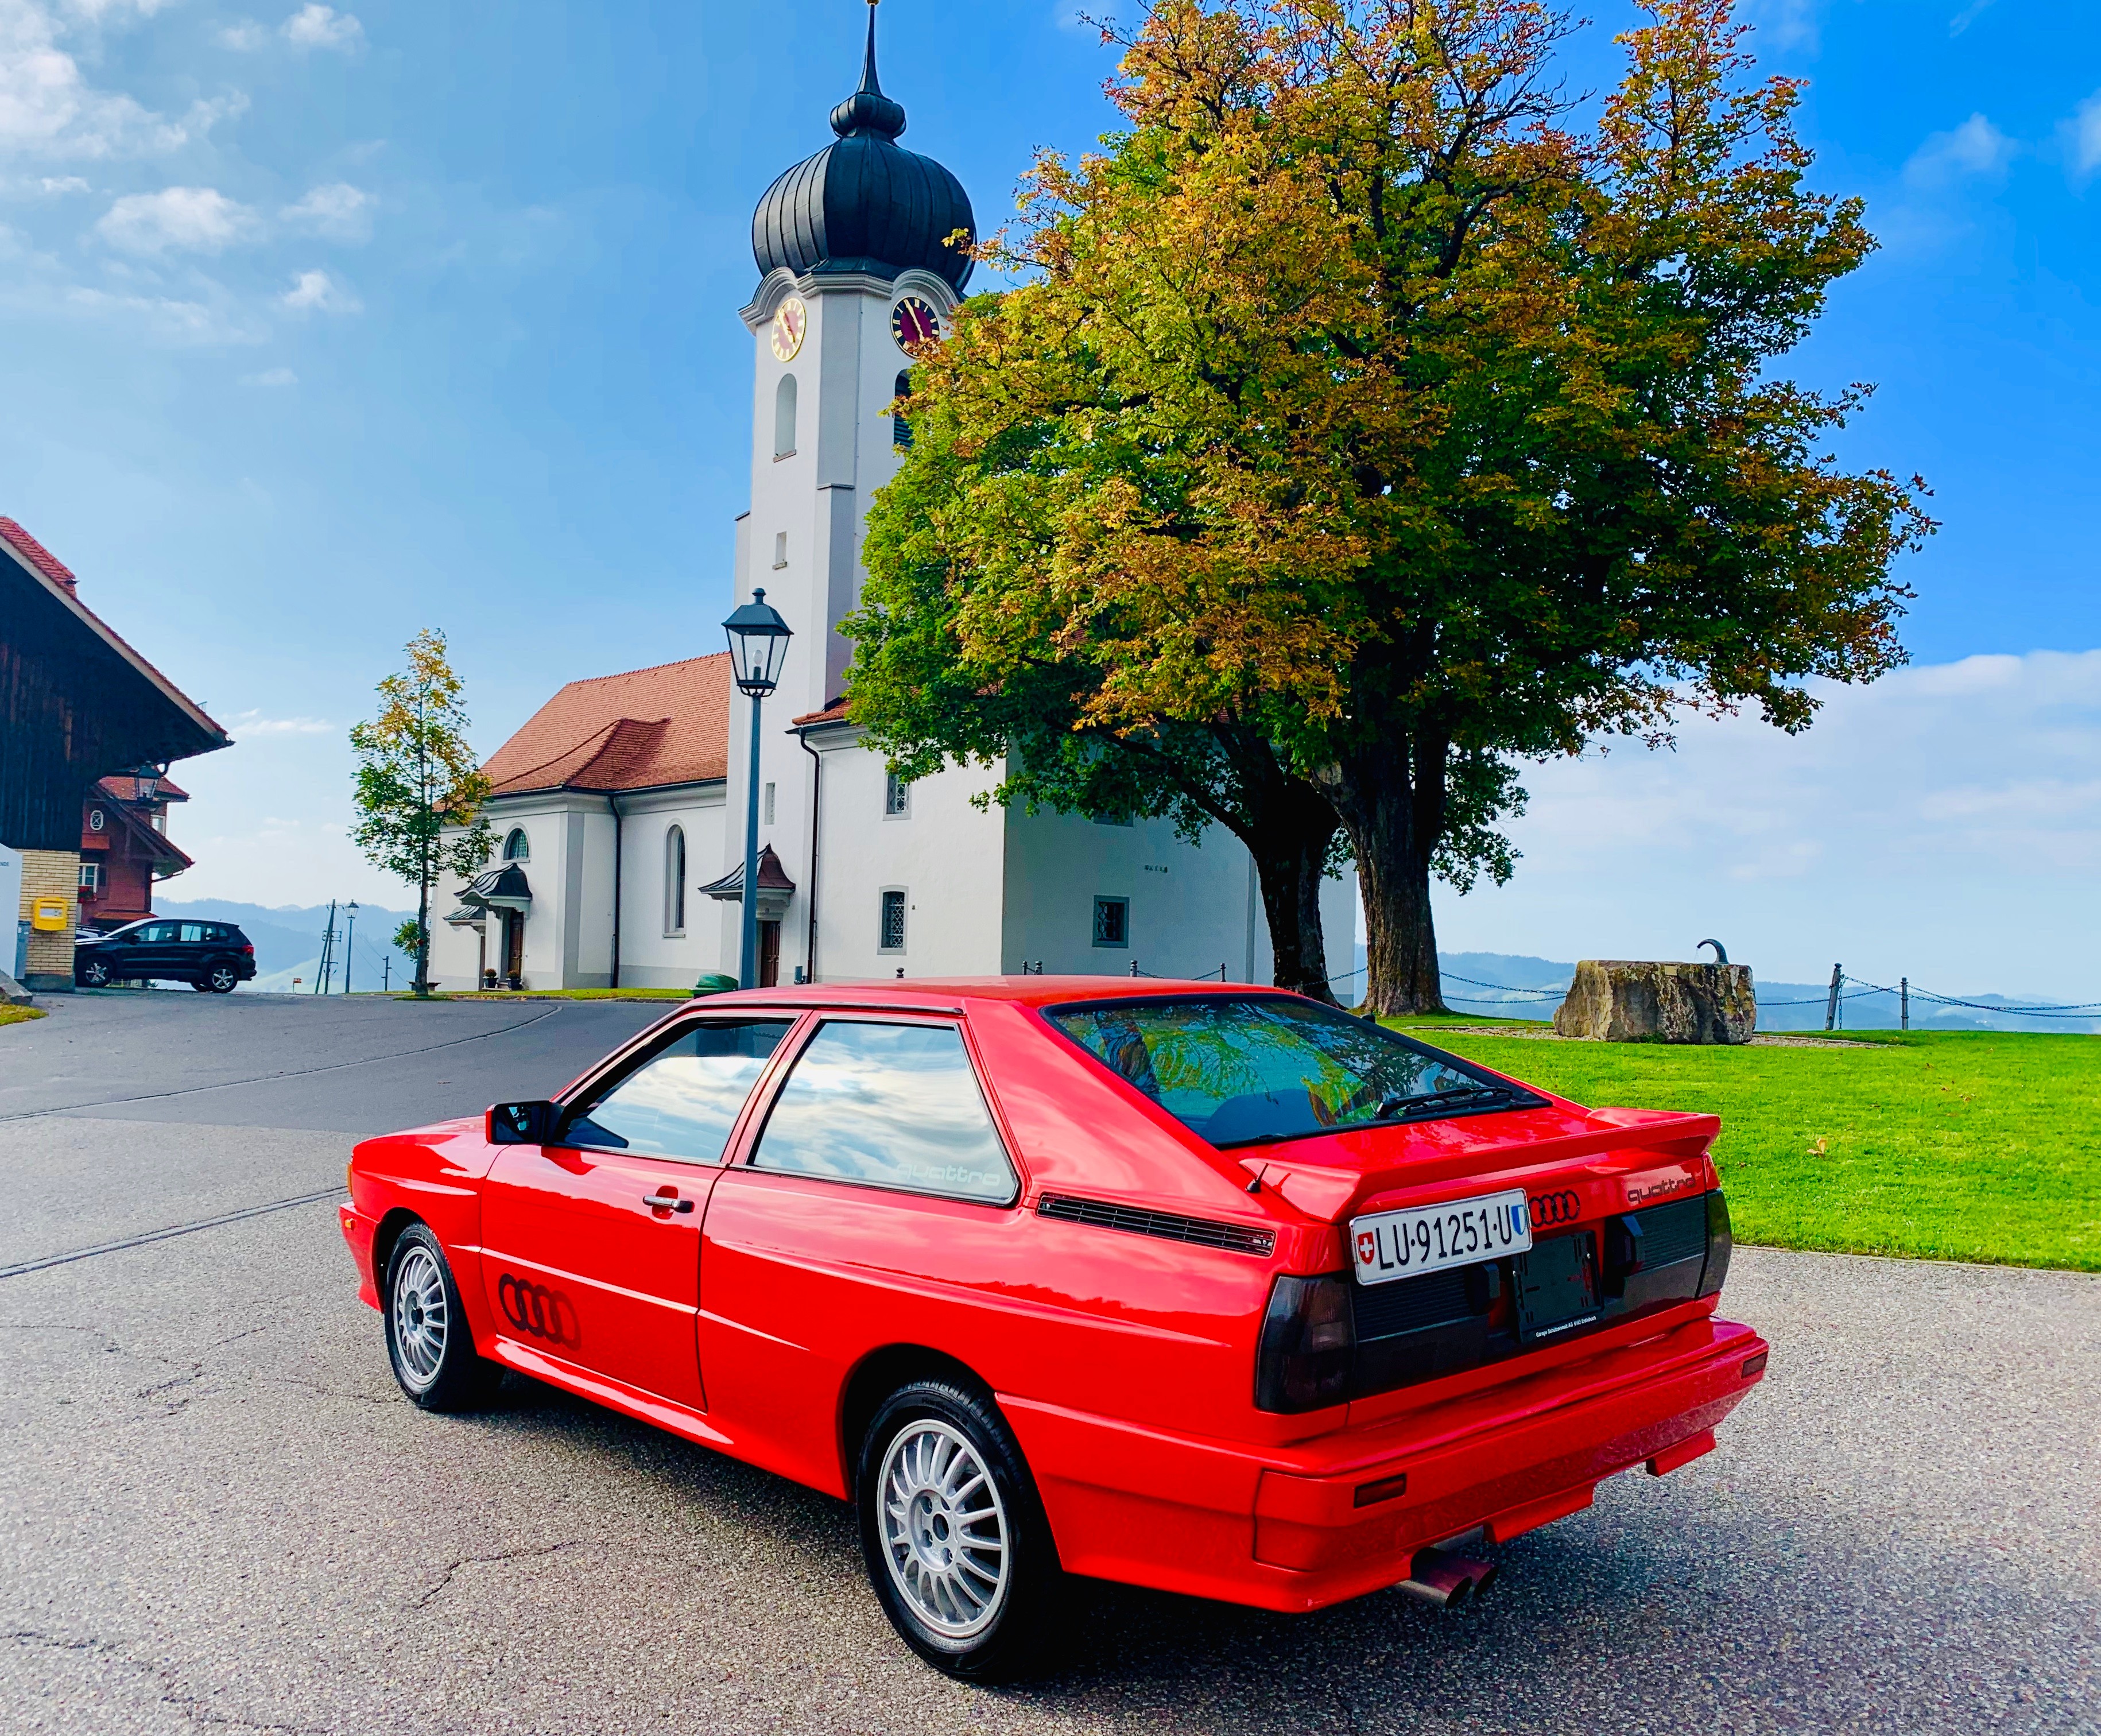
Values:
[(891, 934), (1112, 921), (892, 1105), (683, 1101)]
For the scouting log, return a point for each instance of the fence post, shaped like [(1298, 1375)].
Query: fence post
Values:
[(1903, 1001), (1831, 1006)]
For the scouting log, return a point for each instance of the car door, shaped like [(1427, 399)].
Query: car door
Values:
[(876, 1207), (192, 950), (149, 952), (590, 1246)]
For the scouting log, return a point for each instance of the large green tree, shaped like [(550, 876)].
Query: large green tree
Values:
[(419, 789), (1358, 395)]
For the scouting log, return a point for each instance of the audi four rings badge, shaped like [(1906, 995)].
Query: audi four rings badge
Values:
[(537, 1311), (1551, 1209)]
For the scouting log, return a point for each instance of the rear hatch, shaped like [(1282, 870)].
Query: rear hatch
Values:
[(1477, 1241)]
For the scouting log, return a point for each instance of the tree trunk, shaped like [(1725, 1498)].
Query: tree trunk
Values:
[(1289, 826), (1290, 863), (1391, 800), (423, 985)]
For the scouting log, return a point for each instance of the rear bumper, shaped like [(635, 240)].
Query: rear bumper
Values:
[(1281, 1529)]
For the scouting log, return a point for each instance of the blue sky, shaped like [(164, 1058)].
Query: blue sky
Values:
[(326, 325)]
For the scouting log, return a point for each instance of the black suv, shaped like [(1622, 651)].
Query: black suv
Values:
[(214, 956)]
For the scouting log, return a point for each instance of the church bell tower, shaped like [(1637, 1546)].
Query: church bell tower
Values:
[(856, 270)]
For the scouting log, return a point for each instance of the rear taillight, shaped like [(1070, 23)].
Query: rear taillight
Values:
[(249, 951), (1721, 1243), (1308, 1340)]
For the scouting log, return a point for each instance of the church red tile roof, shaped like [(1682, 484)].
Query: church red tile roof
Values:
[(834, 713), (669, 724)]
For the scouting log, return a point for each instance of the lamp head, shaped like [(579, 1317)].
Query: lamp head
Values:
[(758, 645)]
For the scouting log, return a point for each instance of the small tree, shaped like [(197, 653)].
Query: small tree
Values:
[(417, 779)]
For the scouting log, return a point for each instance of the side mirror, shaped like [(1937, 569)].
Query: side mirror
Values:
[(522, 1123)]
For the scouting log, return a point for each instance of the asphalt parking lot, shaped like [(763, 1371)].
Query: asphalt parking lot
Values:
[(219, 1513)]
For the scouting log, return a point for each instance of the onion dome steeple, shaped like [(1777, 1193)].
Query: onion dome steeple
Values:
[(863, 203)]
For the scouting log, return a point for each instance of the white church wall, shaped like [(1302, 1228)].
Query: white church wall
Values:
[(653, 954), (587, 894), (942, 854)]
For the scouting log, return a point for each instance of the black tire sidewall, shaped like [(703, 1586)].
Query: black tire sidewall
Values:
[(465, 1381), (1014, 1644), (233, 979), (96, 976)]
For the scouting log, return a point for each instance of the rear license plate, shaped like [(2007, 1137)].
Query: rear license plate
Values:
[(1390, 1245)]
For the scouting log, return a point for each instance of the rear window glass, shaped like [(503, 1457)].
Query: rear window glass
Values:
[(1244, 1070), (896, 1105)]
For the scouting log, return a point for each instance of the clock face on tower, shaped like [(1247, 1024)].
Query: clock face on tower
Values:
[(789, 322), (913, 322)]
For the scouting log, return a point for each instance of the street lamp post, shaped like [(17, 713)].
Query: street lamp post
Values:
[(350, 941), (759, 645)]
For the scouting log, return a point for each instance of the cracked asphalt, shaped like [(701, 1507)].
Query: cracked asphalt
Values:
[(219, 1513)]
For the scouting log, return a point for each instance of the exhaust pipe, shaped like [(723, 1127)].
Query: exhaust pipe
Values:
[(1447, 1580)]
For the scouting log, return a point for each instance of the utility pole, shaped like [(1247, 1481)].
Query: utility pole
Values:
[(1831, 1006), (328, 954), (1903, 1001)]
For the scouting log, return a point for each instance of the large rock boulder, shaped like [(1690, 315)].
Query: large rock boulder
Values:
[(1622, 1000)]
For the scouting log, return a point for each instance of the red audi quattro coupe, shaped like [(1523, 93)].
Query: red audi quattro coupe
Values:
[(1215, 1290)]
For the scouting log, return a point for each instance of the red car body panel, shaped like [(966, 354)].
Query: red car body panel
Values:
[(1123, 1362)]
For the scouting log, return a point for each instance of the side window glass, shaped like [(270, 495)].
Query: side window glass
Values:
[(896, 1105), (195, 932), (683, 1100)]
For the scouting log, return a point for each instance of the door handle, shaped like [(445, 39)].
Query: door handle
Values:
[(667, 1202)]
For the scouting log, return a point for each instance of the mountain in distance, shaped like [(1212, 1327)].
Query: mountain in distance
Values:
[(1512, 985), (288, 943)]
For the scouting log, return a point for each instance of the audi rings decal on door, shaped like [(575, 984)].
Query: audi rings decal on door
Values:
[(539, 1312), (1550, 1209)]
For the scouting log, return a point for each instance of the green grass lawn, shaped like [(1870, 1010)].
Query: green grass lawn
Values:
[(18, 1015), (1981, 1146)]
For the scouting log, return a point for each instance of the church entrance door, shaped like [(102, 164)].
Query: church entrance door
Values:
[(513, 948), (769, 955)]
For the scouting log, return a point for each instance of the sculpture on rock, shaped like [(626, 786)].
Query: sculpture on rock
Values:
[(1622, 1000)]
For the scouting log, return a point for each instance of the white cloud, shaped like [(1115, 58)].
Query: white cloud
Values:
[(1975, 147), (317, 26), (338, 210), (255, 723), (244, 36), (2082, 137), (48, 108), (190, 219), (1967, 17), (51, 185), (172, 319), (317, 292), (1785, 24), (1944, 823), (274, 377)]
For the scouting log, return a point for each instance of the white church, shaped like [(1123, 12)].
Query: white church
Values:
[(618, 809)]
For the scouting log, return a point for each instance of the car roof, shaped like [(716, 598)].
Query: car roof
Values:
[(948, 994)]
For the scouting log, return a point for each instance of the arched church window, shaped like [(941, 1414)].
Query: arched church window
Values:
[(517, 848), (784, 416), (675, 881), (900, 430)]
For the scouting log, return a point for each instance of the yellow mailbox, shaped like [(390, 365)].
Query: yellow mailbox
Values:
[(48, 915)]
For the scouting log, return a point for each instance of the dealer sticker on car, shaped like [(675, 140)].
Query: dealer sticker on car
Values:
[(1389, 1244)]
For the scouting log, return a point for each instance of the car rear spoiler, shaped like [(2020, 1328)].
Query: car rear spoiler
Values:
[(1329, 1191)]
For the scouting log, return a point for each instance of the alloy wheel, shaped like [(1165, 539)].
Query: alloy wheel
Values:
[(945, 1530), (420, 1317)]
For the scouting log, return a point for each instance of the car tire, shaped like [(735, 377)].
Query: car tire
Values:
[(429, 1342), (956, 1543), (94, 974), (221, 979)]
